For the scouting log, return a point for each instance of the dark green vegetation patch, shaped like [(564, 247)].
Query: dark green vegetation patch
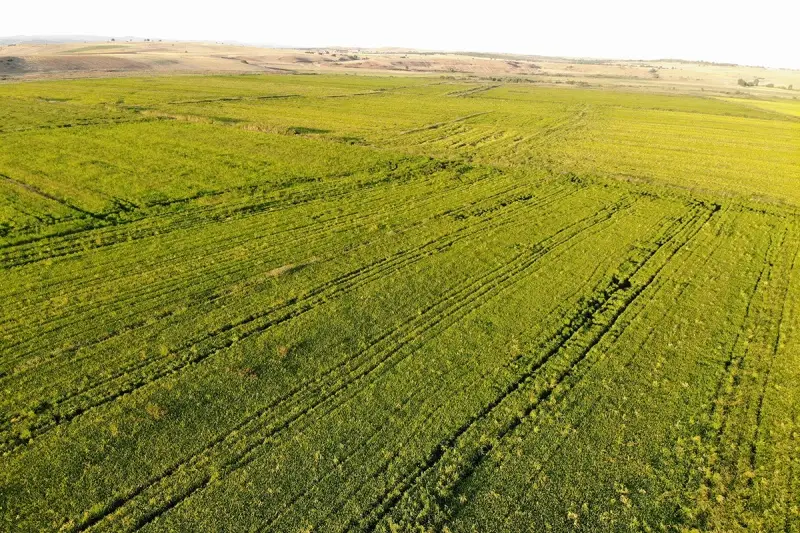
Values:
[(286, 303)]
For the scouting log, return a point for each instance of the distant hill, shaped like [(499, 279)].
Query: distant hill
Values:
[(62, 39), (54, 56)]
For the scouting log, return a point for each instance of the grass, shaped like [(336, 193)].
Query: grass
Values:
[(353, 303)]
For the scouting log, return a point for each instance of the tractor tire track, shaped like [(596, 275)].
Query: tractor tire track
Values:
[(149, 371), (320, 230), (405, 344), (657, 288), (273, 199), (408, 333), (560, 310), (754, 438), (736, 366), (370, 520), (733, 364), (538, 202), (385, 466)]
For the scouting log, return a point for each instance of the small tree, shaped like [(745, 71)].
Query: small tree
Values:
[(742, 82)]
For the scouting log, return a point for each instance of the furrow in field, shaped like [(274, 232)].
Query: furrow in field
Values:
[(236, 99), (614, 300), (158, 292), (242, 237), (487, 140), (743, 477), (142, 226), (138, 225), (720, 450), (420, 388), (379, 357), (470, 137), (792, 517), (472, 91), (733, 362), (238, 266), (275, 197), (37, 191), (438, 125), (433, 404), (584, 405), (736, 361), (79, 123), (168, 286), (130, 378), (316, 230), (362, 449), (161, 223), (432, 136), (754, 438)]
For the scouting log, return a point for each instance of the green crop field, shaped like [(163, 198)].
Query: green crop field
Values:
[(345, 303)]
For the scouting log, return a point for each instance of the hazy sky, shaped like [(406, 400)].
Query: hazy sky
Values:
[(762, 32)]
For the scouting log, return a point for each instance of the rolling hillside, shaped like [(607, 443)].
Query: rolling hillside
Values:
[(340, 303)]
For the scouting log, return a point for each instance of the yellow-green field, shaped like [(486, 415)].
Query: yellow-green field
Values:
[(339, 303), (787, 107)]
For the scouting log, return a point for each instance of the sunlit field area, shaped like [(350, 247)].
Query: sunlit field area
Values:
[(349, 303)]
